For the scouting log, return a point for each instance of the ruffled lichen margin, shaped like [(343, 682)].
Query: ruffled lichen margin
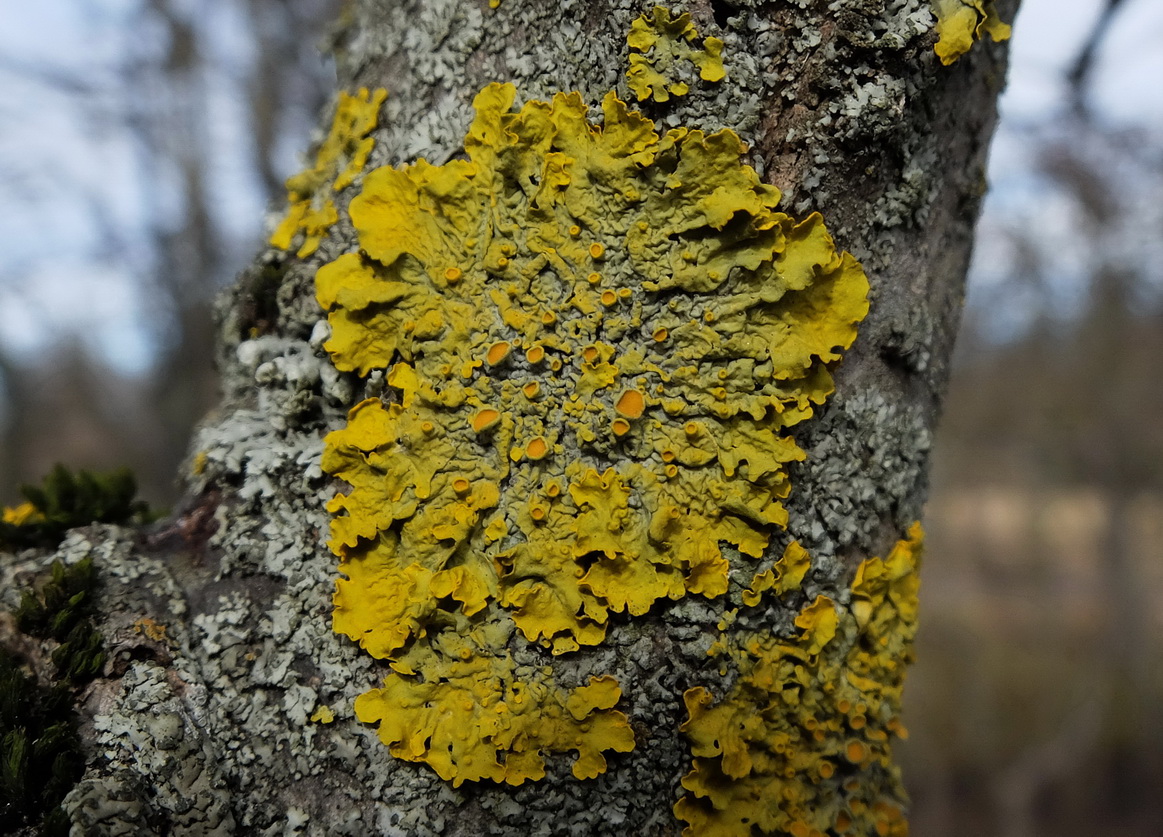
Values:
[(961, 23), (339, 159)]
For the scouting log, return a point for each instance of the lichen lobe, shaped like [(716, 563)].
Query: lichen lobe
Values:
[(960, 23), (338, 162), (660, 45)]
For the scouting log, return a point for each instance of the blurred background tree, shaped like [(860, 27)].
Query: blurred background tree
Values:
[(1034, 705), (141, 145), (143, 141)]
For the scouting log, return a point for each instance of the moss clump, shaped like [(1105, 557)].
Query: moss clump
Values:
[(40, 756), (61, 612), (66, 500)]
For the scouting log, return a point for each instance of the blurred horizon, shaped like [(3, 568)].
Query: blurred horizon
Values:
[(146, 141)]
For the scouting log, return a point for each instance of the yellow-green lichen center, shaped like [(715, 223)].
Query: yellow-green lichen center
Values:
[(598, 337)]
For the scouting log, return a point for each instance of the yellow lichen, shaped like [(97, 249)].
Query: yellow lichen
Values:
[(808, 714), (659, 44), (338, 162), (323, 715), (548, 461), (961, 22), (630, 404), (21, 515), (784, 577), (472, 718), (151, 629)]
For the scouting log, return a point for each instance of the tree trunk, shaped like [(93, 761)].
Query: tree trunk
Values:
[(581, 593)]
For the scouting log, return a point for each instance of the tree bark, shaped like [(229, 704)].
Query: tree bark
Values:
[(211, 714)]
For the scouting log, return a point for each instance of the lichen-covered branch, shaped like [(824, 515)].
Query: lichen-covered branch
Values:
[(574, 432)]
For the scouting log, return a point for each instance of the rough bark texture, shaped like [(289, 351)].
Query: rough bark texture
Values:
[(204, 728)]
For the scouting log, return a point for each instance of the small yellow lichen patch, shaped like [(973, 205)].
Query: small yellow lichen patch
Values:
[(151, 629), (784, 577), (775, 755), (338, 162), (660, 44), (21, 515), (818, 621), (323, 715), (961, 22)]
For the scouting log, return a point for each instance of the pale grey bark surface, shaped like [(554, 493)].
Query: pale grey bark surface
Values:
[(206, 730)]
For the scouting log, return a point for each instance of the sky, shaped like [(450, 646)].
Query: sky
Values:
[(68, 269), (77, 201), (1048, 35), (1125, 98)]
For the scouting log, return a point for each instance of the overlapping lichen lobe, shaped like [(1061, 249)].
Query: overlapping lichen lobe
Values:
[(339, 160), (960, 23), (801, 743)]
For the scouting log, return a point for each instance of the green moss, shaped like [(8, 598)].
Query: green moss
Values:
[(40, 756), (60, 612), (66, 500)]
